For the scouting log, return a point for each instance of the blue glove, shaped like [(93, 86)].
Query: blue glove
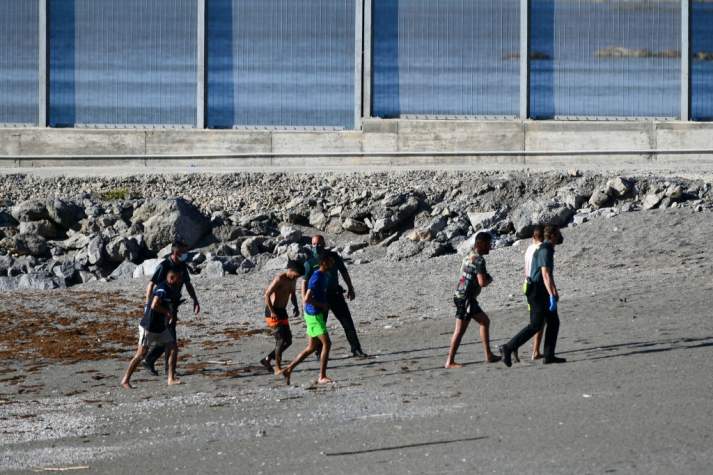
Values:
[(553, 303)]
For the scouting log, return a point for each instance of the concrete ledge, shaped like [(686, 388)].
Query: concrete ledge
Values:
[(381, 142)]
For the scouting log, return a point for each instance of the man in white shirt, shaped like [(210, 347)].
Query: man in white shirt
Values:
[(529, 254)]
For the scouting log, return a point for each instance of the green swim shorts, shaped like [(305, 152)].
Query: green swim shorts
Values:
[(316, 325)]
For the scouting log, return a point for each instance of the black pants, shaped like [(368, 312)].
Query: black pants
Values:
[(283, 340), (338, 306), (159, 350), (539, 316)]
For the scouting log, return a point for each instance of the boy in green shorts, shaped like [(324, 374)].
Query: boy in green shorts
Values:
[(316, 308)]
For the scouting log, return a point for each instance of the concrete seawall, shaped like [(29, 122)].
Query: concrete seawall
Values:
[(379, 142)]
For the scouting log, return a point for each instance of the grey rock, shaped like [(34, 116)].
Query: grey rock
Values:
[(36, 282), (674, 192), (276, 263), (290, 233), (44, 228), (229, 232), (214, 269), (352, 247), (482, 220), (600, 198), (146, 268), (534, 212), (7, 220), (65, 214), (437, 249), (317, 219), (389, 240), (30, 210), (652, 200), (8, 283), (29, 245), (66, 272), (253, 246), (619, 187), (124, 271), (403, 249), (168, 220), (86, 276), (334, 226), (355, 226), (75, 242), (95, 250), (123, 249)]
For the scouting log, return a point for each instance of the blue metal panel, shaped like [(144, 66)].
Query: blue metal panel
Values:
[(605, 58), (281, 63), (128, 62), (702, 60), (19, 62), (445, 57)]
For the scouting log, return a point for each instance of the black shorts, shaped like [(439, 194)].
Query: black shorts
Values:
[(467, 308)]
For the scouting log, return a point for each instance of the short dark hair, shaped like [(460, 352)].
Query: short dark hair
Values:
[(178, 244), (538, 232), (296, 266), (550, 232), (326, 257), (483, 236)]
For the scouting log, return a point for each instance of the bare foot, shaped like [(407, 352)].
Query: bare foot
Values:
[(286, 373), (536, 356), (126, 385), (325, 380), (278, 371), (453, 365), (173, 382)]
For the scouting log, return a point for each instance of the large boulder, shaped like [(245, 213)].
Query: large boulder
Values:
[(36, 281), (124, 271), (30, 210), (8, 283), (167, 220), (7, 220), (253, 246), (290, 233), (318, 219), (146, 268), (45, 228), (403, 249), (228, 232), (214, 269), (28, 245), (543, 212), (95, 250), (355, 226), (482, 220), (65, 272), (65, 214), (75, 242), (122, 248)]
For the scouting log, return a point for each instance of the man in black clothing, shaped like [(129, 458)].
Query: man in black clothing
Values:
[(176, 262), (543, 297), (335, 292)]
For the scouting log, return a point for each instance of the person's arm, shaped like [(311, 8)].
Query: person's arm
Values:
[(484, 280), (549, 281), (295, 305), (149, 291), (347, 280), (194, 297), (268, 294), (309, 298)]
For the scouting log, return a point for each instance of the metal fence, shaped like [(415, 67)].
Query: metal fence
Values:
[(330, 63)]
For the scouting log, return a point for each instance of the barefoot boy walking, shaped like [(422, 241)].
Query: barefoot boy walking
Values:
[(280, 291), (154, 327), (316, 308), (473, 277)]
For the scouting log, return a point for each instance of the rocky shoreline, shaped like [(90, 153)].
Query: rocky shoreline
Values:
[(62, 231)]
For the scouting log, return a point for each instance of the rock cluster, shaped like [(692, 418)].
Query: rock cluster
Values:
[(64, 231)]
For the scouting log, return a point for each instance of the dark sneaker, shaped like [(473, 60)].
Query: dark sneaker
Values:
[(266, 363), (515, 357), (554, 360), (506, 354), (149, 367), (359, 354)]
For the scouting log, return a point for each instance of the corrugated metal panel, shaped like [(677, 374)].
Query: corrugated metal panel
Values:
[(281, 63), (605, 58), (122, 63), (702, 60), (445, 57), (19, 62)]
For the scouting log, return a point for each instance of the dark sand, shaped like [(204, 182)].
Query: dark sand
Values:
[(634, 397)]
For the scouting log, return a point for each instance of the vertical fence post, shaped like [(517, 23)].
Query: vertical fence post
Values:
[(201, 66), (366, 76), (685, 60), (43, 62), (359, 61), (524, 59)]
